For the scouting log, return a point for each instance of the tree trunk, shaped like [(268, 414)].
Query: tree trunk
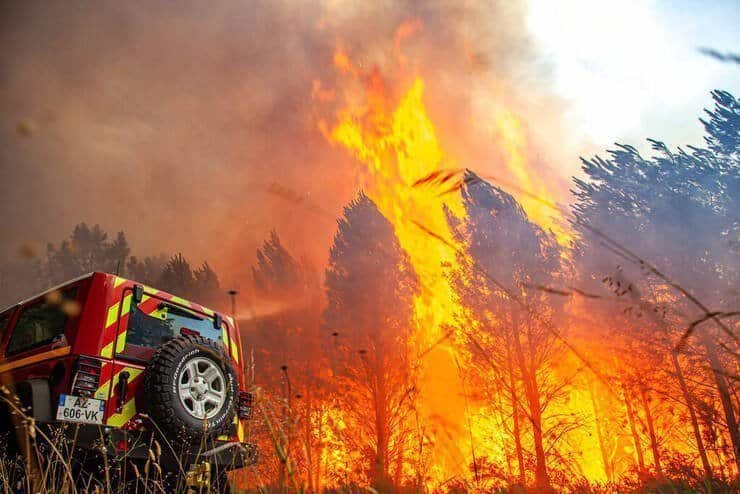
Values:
[(600, 436), (724, 395), (515, 416), (651, 431), (535, 415), (381, 422), (499, 393), (309, 443), (692, 416), (397, 477), (320, 450), (633, 431)]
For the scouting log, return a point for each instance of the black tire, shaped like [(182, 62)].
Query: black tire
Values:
[(161, 395)]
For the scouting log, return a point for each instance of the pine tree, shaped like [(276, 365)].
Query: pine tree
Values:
[(206, 287), (678, 210), (177, 277), (370, 287), (146, 270), (504, 255)]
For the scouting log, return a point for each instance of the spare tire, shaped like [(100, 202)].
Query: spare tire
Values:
[(190, 389)]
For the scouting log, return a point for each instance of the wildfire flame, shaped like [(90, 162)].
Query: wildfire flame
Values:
[(398, 146), (396, 142)]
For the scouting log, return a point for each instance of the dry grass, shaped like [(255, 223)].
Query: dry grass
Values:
[(47, 458)]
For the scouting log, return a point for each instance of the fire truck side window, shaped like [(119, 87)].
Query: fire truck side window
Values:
[(39, 324)]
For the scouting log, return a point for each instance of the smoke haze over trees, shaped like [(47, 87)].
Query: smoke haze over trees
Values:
[(139, 118), (89, 249)]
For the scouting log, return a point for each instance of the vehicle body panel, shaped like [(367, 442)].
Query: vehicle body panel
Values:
[(100, 332)]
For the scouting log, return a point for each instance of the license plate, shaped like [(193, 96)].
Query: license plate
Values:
[(78, 409)]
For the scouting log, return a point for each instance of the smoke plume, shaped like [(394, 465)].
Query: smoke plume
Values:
[(192, 126)]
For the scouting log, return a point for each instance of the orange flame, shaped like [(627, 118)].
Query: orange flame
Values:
[(398, 148), (408, 175), (534, 195)]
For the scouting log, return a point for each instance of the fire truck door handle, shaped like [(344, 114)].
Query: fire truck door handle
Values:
[(122, 388)]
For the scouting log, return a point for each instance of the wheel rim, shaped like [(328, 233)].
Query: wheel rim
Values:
[(202, 388)]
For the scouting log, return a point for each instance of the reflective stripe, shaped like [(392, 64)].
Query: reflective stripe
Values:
[(240, 431), (57, 352), (112, 315), (180, 301), (234, 350), (129, 408), (104, 388), (107, 351), (127, 413)]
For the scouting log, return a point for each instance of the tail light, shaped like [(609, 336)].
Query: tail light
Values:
[(86, 377), (244, 407)]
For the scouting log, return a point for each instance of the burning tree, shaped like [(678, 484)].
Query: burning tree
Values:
[(677, 211), (511, 336), (370, 287)]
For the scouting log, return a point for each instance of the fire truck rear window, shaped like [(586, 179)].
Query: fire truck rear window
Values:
[(165, 323)]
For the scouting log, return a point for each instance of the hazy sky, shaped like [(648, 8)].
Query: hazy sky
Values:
[(631, 68)]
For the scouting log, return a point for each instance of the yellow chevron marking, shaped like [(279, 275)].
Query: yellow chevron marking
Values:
[(112, 315), (180, 301), (127, 413), (150, 290), (159, 313), (240, 431), (113, 311), (133, 373), (234, 350), (102, 392), (129, 408), (104, 389), (126, 304), (120, 341), (118, 282)]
